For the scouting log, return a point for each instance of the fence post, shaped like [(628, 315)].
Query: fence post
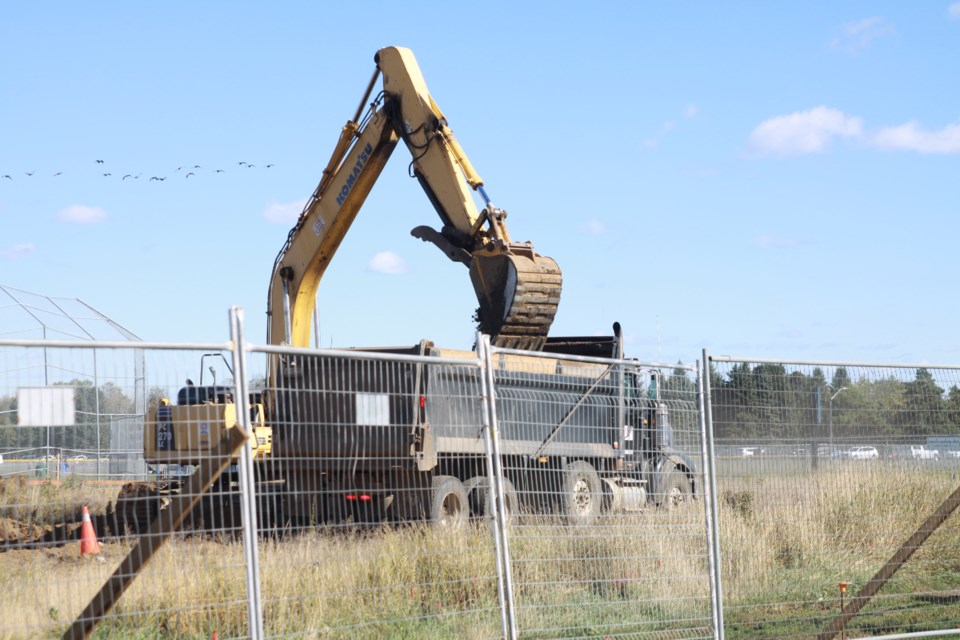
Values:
[(501, 546), (705, 407), (248, 500)]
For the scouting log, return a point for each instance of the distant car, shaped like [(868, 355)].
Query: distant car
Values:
[(48, 457), (749, 452), (863, 453), (920, 452), (953, 454), (79, 458)]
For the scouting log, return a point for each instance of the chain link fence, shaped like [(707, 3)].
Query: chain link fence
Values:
[(824, 471), (428, 493)]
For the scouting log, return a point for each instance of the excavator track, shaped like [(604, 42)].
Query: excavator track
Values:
[(530, 286)]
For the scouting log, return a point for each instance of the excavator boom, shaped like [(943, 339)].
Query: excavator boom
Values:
[(517, 289)]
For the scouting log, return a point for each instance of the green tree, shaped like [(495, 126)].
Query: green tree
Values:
[(841, 379), (953, 409), (678, 384), (926, 407)]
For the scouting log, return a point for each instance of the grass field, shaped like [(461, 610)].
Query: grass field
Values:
[(786, 541)]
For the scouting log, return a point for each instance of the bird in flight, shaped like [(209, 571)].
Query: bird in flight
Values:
[(196, 166), (58, 173), (241, 162), (106, 175), (160, 179), (251, 166), (99, 161), (126, 176), (8, 177), (31, 173), (189, 174), (269, 165), (178, 168), (219, 170)]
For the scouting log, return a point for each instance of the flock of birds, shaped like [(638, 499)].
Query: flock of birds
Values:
[(185, 171)]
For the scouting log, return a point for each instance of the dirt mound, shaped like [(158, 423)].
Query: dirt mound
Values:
[(14, 532)]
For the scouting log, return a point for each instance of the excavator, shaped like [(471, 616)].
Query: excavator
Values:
[(518, 290)]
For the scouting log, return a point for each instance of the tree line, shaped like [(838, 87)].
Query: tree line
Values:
[(95, 407), (761, 401), (767, 401)]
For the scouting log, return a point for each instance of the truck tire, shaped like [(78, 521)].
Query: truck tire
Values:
[(449, 507), (675, 491), (477, 490), (582, 496), (470, 486)]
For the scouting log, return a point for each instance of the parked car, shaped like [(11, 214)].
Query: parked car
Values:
[(749, 452), (953, 454), (919, 452), (862, 453)]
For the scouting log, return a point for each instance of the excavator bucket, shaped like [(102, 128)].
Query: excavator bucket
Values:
[(518, 291)]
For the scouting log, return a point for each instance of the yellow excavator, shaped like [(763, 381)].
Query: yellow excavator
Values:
[(518, 290), (337, 443)]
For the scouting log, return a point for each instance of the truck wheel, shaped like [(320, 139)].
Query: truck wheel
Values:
[(582, 493), (449, 507), (471, 486), (477, 492), (676, 490)]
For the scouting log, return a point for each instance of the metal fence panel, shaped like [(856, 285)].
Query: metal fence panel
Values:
[(824, 470), (50, 568), (600, 465), (365, 517)]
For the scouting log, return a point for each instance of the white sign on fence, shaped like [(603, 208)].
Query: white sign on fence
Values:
[(46, 407)]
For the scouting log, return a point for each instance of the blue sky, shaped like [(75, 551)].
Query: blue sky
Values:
[(760, 179)]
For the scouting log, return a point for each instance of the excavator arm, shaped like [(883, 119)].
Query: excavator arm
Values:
[(517, 289)]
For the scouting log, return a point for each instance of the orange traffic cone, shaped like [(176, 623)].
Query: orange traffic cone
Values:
[(88, 537)]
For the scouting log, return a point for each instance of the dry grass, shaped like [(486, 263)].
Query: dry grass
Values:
[(39, 502), (785, 544)]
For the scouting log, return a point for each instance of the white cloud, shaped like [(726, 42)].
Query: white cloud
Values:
[(953, 11), (665, 128), (389, 263), (911, 137), (772, 242), (593, 227), (284, 213), (16, 251), (860, 34), (689, 112), (81, 214), (803, 131)]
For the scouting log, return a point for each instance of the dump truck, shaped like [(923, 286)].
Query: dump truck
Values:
[(402, 441)]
